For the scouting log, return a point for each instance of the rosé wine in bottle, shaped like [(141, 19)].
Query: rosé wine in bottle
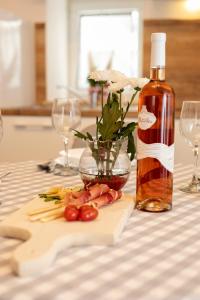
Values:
[(155, 140)]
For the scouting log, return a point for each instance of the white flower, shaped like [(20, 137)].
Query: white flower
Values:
[(117, 86), (107, 75), (116, 76), (138, 82)]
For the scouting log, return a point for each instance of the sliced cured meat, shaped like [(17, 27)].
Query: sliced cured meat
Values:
[(77, 198), (98, 190), (100, 194), (107, 198), (115, 194), (83, 196), (81, 199), (103, 200)]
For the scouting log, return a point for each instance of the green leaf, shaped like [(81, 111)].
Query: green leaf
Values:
[(53, 198), (92, 82), (138, 89), (112, 97), (131, 146), (125, 131), (89, 136), (110, 124), (80, 135)]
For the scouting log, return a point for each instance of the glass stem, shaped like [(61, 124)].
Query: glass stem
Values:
[(66, 161), (195, 173)]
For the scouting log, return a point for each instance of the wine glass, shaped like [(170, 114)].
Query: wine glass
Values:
[(190, 129), (65, 117), (1, 133), (1, 126)]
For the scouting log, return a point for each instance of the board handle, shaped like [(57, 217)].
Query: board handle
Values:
[(34, 256)]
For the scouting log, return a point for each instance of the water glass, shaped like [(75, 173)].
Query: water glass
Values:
[(65, 118)]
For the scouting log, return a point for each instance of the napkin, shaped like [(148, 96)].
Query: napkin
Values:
[(73, 158)]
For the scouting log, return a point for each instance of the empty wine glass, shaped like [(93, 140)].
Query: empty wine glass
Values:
[(1, 126), (190, 129), (65, 118), (1, 131)]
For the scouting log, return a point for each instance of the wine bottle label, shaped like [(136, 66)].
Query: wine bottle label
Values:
[(162, 152), (146, 119)]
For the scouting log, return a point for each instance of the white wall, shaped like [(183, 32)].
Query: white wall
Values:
[(29, 10), (168, 9), (34, 10), (56, 47), (149, 9), (60, 15)]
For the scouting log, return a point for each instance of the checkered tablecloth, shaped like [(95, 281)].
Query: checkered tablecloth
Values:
[(158, 256)]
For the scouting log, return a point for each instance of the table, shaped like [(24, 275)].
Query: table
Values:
[(158, 256)]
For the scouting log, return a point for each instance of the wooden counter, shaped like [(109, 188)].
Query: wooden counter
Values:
[(45, 110)]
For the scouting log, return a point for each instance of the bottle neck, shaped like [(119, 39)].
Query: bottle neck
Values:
[(157, 73)]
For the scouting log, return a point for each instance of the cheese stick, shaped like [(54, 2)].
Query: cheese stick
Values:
[(50, 218), (46, 214), (45, 209)]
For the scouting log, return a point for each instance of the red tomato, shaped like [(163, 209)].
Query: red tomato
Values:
[(85, 207), (88, 214), (72, 206), (71, 213)]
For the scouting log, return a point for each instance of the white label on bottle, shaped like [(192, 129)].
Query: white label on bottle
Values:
[(146, 119), (162, 152)]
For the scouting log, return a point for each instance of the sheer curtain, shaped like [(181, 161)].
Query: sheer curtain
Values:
[(10, 58), (16, 62)]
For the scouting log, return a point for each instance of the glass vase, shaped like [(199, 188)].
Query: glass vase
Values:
[(105, 162)]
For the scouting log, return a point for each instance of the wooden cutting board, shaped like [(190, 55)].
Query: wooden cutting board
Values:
[(43, 241)]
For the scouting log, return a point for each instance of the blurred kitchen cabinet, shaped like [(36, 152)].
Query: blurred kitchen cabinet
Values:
[(29, 138), (40, 58), (33, 138)]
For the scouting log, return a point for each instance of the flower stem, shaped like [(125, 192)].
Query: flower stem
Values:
[(97, 120), (129, 104), (120, 104), (108, 152), (102, 90)]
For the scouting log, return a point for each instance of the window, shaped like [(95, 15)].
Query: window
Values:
[(108, 41)]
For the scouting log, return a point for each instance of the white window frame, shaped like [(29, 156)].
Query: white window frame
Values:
[(74, 41)]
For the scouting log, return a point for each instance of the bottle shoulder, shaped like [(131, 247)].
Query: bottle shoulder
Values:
[(157, 87)]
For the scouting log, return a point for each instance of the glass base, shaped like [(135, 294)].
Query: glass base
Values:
[(153, 205), (115, 181), (60, 170), (192, 188)]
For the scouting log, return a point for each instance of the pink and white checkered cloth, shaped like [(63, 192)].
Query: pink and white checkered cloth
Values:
[(157, 258)]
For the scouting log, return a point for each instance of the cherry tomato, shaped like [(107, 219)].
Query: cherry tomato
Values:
[(72, 206), (85, 207), (88, 214), (82, 209), (71, 213)]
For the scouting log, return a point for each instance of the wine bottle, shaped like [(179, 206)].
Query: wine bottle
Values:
[(155, 139)]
